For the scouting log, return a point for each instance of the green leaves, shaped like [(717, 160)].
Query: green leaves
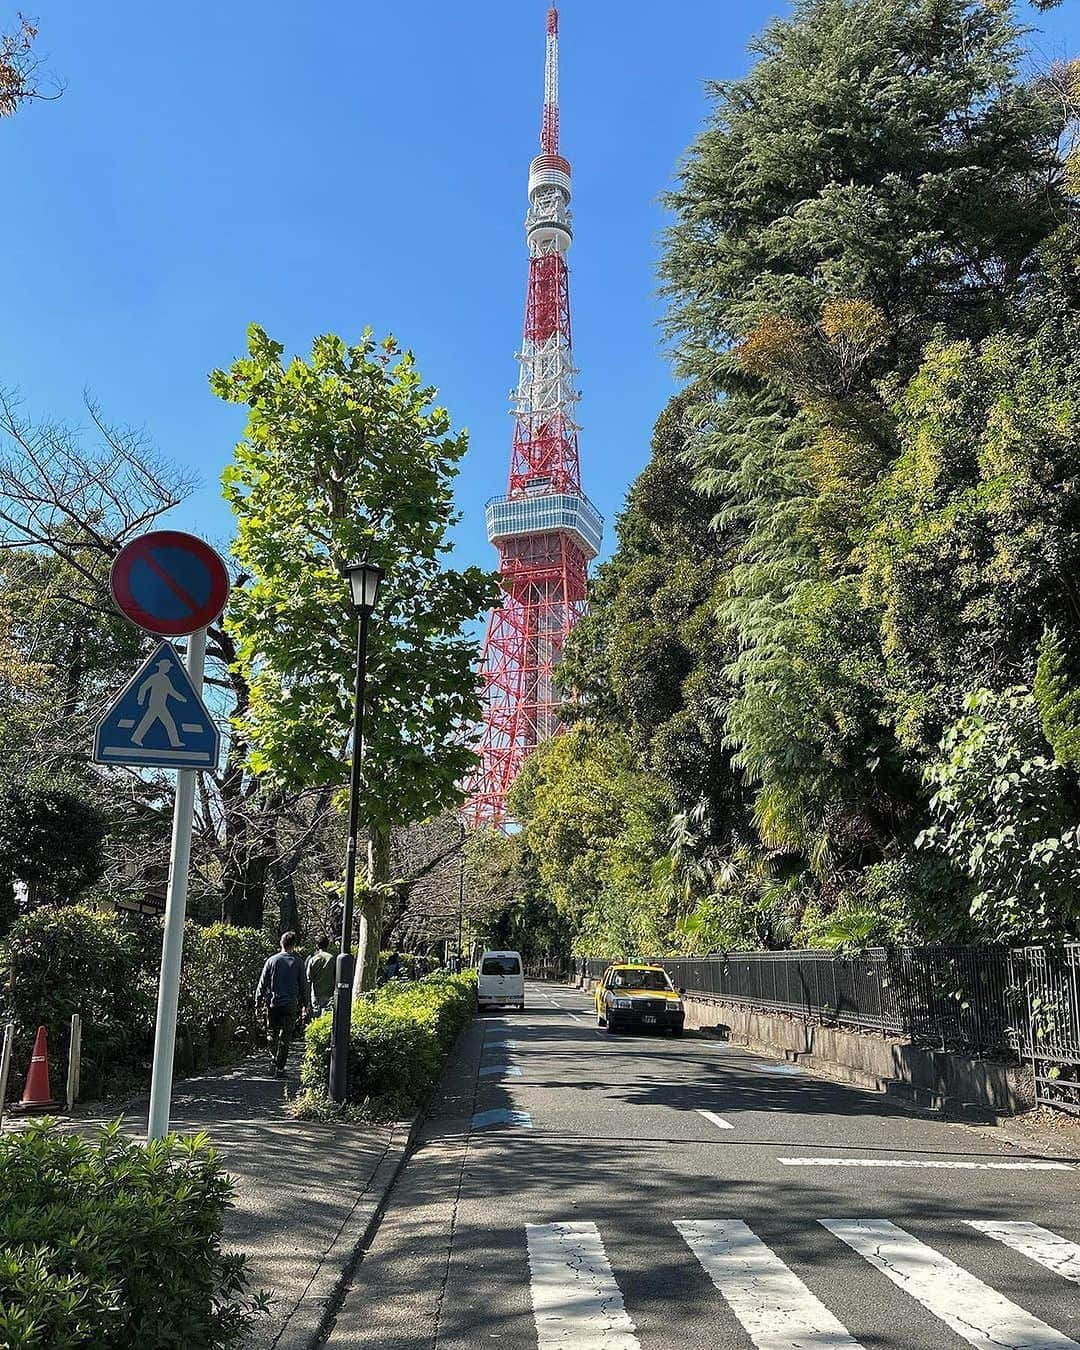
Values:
[(107, 1243), (862, 508), (346, 455), (1003, 819)]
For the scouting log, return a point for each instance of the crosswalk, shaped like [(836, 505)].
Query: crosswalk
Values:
[(577, 1303)]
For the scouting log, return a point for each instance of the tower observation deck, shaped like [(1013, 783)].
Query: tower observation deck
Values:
[(545, 528)]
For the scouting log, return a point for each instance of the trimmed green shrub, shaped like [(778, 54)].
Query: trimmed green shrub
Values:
[(62, 960), (221, 968), (59, 961), (400, 1037), (105, 1243)]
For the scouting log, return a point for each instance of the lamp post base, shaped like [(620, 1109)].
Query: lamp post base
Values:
[(339, 1044)]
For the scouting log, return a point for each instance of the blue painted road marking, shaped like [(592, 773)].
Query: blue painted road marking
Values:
[(484, 1120)]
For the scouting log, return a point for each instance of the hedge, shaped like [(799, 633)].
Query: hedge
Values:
[(61, 960), (105, 1243), (400, 1036)]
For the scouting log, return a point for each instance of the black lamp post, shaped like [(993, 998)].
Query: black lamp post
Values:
[(364, 579), (461, 899)]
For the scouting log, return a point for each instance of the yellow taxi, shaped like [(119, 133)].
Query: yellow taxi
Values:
[(633, 994)]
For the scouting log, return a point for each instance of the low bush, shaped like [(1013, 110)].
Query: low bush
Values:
[(57, 961), (217, 989), (400, 1037), (105, 1243)]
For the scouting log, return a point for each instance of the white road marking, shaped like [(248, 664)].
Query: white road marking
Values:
[(500, 1070), (576, 1302), (979, 1314), (776, 1068), (718, 1121), (484, 1120), (777, 1310), (1037, 1244), (958, 1164)]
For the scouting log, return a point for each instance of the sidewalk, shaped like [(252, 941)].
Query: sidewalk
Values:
[(306, 1192)]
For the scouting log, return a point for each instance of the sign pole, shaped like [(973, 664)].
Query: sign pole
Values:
[(172, 947)]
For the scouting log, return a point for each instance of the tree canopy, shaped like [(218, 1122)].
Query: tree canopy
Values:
[(858, 523)]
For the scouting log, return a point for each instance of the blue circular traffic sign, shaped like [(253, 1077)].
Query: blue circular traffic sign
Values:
[(169, 582)]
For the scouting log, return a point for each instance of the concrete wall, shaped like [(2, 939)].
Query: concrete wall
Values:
[(930, 1078)]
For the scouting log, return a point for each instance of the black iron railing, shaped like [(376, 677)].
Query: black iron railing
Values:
[(950, 998), (1047, 1032), (972, 1000)]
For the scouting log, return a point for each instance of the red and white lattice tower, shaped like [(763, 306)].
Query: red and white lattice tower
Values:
[(545, 528)]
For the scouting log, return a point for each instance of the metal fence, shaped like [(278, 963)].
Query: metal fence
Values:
[(1047, 1034), (1023, 1003), (947, 998)]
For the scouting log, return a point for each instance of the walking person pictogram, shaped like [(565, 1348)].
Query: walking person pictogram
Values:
[(155, 692)]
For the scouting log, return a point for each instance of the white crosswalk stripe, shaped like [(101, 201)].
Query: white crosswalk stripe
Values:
[(775, 1307), (576, 1302), (578, 1305), (983, 1317), (1039, 1244)]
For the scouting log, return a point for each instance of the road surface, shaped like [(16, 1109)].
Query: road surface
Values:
[(575, 1190)]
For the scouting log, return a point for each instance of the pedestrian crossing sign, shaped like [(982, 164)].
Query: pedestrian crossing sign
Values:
[(159, 720)]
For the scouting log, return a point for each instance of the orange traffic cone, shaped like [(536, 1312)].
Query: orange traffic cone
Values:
[(36, 1094)]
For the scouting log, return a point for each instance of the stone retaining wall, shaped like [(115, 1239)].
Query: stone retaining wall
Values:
[(930, 1078)]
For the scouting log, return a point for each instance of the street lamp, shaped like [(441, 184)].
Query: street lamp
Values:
[(364, 580), (461, 898)]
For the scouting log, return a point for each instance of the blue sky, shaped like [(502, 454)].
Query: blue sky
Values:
[(325, 167)]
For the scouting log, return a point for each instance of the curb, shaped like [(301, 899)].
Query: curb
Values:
[(312, 1318)]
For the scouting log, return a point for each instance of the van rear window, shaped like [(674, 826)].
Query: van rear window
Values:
[(500, 965)]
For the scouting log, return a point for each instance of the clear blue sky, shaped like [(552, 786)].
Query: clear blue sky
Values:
[(324, 167)]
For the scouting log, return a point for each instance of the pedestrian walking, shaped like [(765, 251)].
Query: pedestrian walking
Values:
[(322, 976), (283, 988)]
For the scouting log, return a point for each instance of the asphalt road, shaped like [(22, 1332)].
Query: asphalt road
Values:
[(575, 1190)]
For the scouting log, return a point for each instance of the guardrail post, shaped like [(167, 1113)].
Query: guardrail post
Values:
[(74, 1061)]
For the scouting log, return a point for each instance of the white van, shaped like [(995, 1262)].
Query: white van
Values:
[(500, 980)]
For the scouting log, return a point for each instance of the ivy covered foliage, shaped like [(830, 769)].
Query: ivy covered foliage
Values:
[(827, 690)]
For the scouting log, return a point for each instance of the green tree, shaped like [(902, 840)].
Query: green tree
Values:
[(593, 825), (52, 841), (865, 505), (344, 456), (1005, 818)]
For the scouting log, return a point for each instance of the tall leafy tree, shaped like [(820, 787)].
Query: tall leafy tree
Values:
[(870, 292), (346, 455)]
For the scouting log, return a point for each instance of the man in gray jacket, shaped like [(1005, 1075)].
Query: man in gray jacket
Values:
[(283, 988)]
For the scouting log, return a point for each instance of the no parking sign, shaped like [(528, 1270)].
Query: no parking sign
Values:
[(169, 582)]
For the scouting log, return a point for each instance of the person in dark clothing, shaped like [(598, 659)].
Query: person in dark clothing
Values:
[(322, 976), (283, 988)]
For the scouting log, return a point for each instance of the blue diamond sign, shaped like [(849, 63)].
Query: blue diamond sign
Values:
[(159, 720)]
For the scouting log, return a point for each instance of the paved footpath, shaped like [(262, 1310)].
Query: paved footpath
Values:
[(306, 1192), (575, 1190)]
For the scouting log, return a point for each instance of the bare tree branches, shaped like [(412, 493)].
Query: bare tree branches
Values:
[(21, 74), (80, 502)]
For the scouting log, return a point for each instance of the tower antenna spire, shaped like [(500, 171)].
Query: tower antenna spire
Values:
[(549, 136)]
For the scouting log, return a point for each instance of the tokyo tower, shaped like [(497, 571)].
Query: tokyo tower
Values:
[(545, 528)]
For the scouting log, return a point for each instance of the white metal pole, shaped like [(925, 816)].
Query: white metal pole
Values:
[(172, 946), (5, 1066)]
